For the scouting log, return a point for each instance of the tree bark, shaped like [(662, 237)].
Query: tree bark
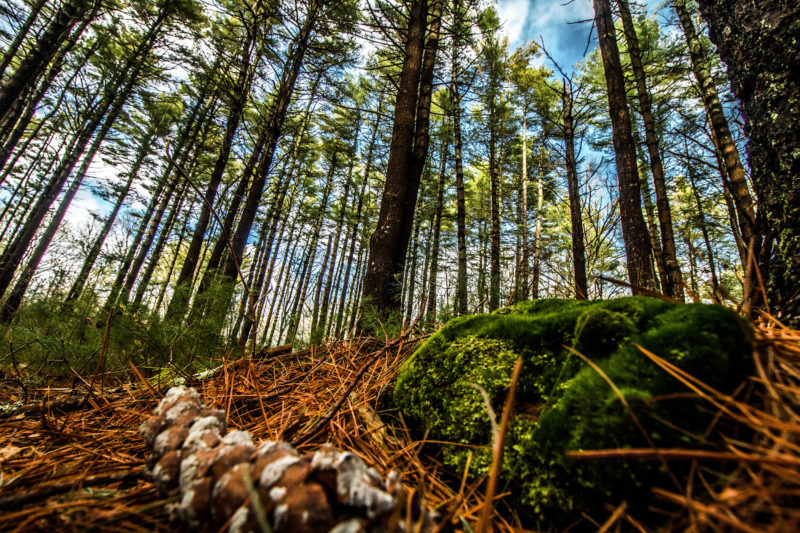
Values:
[(634, 229), (388, 247), (719, 126), (576, 218), (671, 284), (437, 232), (758, 42)]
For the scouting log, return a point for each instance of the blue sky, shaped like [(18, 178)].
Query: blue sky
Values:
[(549, 20)]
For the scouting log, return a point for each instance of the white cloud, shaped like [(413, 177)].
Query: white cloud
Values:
[(513, 15)]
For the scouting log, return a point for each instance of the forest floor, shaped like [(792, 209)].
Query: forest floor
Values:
[(71, 455)]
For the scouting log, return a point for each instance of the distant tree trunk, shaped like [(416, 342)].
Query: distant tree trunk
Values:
[(274, 125), (94, 252), (578, 247), (525, 274), (411, 276), (494, 194), (114, 97), (634, 228), (14, 299), (437, 231), (354, 232), (158, 249), (183, 148), (703, 224), (300, 298), (318, 333), (318, 292), (758, 42), (670, 284), (537, 247), (659, 262), (461, 210), (238, 99), (389, 244)]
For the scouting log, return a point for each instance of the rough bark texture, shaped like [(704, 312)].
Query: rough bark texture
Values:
[(387, 250), (760, 43), (634, 229)]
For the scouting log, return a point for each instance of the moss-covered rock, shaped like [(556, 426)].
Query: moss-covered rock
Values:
[(562, 403)]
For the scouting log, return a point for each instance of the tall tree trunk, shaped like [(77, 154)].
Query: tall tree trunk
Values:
[(411, 277), (17, 293), (703, 224), (155, 257), (388, 247), (276, 118), (671, 284), (537, 244), (576, 218), (318, 332), (494, 193), (634, 228), (437, 231), (461, 209), (758, 42), (354, 232), (183, 148), (525, 274), (238, 97), (300, 298), (94, 252)]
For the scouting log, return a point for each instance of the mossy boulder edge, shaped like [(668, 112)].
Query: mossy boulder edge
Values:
[(563, 404)]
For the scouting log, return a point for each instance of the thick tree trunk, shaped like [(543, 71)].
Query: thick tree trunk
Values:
[(671, 284), (758, 42), (387, 248), (634, 228)]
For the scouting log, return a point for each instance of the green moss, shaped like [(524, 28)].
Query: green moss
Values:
[(564, 404)]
